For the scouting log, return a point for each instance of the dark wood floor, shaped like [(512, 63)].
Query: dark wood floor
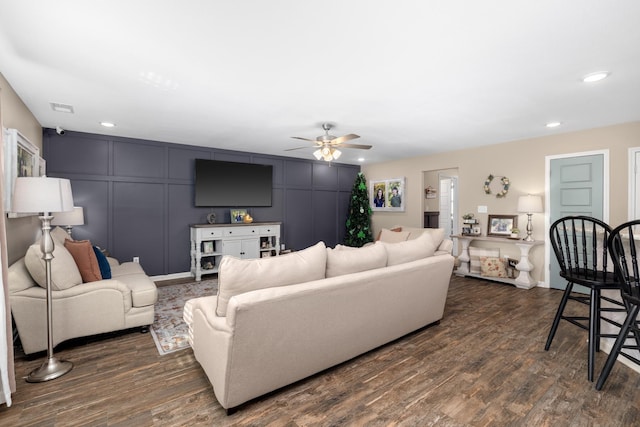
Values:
[(484, 364)]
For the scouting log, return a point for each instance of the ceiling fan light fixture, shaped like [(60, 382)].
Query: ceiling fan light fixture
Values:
[(318, 154), (336, 154)]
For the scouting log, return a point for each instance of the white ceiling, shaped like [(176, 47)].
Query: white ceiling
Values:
[(410, 77)]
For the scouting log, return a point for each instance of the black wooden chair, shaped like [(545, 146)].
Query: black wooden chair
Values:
[(624, 253), (580, 246)]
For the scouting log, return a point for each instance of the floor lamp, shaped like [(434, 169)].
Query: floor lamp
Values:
[(45, 195), (69, 219), (529, 204)]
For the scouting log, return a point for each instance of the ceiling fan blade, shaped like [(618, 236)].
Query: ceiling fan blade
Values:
[(303, 139), (341, 139), (361, 146), (299, 148)]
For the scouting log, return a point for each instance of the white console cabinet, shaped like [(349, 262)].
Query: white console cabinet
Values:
[(210, 242)]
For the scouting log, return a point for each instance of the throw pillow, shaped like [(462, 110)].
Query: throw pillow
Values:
[(345, 261), (475, 254), (411, 250), (237, 276), (492, 267), (85, 258), (103, 263), (396, 228), (64, 272), (391, 236)]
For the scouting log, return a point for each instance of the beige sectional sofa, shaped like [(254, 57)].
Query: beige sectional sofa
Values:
[(79, 309), (278, 320)]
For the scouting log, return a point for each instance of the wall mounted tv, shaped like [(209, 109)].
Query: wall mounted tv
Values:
[(232, 184)]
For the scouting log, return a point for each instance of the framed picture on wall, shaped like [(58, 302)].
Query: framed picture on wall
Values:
[(501, 225), (387, 195), (21, 158)]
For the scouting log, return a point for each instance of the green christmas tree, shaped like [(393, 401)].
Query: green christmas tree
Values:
[(359, 216)]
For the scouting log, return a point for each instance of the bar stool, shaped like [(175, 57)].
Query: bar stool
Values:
[(624, 253), (580, 246)]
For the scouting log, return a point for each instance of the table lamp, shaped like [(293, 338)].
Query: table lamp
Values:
[(529, 204), (69, 219), (45, 195)]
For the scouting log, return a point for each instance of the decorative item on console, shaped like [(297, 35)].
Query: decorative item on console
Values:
[(237, 215), (529, 204), (471, 225), (501, 225)]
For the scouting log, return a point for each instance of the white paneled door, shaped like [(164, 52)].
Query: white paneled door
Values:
[(576, 188)]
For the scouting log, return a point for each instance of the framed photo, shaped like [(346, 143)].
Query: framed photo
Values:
[(430, 192), (207, 247), (501, 225), (387, 195), (21, 158), (237, 215)]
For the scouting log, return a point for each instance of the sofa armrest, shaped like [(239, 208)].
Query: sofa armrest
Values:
[(38, 292), (206, 305)]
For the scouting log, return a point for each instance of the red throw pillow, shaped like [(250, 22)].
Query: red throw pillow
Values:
[(85, 258)]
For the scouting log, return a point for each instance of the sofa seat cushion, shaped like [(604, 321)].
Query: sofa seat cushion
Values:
[(342, 261), (237, 276), (85, 258), (411, 250), (64, 272)]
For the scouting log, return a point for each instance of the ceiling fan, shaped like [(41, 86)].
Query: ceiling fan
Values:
[(327, 145)]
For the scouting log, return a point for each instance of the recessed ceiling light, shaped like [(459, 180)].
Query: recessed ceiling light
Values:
[(107, 124), (361, 159), (596, 77), (553, 124)]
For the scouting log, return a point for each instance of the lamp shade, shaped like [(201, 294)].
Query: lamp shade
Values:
[(74, 217), (530, 204), (42, 194)]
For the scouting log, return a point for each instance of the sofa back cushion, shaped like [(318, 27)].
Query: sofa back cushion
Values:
[(19, 277), (85, 258), (237, 276), (346, 261), (59, 235), (410, 250), (64, 272)]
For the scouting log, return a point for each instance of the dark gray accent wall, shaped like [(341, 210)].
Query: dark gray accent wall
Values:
[(138, 195)]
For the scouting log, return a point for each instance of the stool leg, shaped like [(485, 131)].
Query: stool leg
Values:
[(617, 346), (556, 320), (594, 323)]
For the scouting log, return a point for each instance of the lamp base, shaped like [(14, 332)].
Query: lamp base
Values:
[(51, 369)]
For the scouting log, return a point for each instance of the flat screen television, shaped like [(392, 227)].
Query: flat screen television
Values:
[(232, 184)]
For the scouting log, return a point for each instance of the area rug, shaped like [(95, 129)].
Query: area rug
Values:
[(169, 330)]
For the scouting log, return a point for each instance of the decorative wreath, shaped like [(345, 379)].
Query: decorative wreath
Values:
[(505, 186)]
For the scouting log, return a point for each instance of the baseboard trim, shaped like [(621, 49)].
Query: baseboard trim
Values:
[(171, 276)]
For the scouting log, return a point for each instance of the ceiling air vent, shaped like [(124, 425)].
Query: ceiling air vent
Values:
[(61, 108)]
